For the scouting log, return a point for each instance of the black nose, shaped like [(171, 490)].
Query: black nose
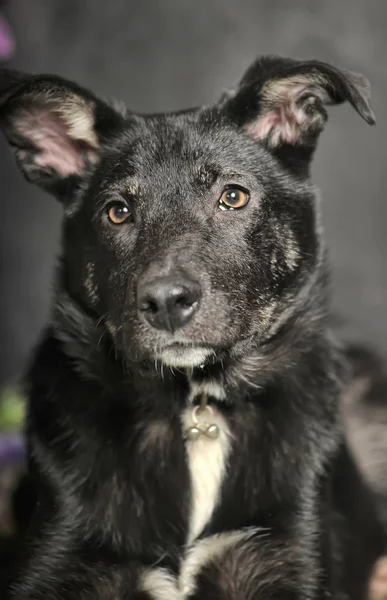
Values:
[(168, 303)]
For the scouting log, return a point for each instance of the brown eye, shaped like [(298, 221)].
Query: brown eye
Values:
[(233, 198), (118, 213)]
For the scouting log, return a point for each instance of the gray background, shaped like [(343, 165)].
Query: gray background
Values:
[(162, 55)]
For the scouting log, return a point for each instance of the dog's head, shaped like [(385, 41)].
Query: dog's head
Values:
[(184, 234)]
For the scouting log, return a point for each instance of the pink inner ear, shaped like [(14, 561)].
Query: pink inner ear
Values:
[(279, 125), (47, 130), (284, 121)]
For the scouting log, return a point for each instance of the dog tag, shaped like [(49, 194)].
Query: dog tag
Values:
[(210, 430)]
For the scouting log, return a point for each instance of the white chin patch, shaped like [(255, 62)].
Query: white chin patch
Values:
[(184, 356)]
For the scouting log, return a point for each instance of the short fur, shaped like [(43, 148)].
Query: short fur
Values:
[(121, 510)]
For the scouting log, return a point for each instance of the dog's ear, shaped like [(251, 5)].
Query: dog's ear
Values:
[(55, 128), (281, 102)]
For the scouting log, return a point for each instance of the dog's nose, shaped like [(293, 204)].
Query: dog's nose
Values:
[(168, 304)]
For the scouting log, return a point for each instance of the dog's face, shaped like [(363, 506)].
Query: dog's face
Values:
[(188, 234)]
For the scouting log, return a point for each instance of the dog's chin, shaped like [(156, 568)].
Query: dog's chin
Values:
[(181, 356)]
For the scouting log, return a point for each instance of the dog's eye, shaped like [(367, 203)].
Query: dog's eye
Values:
[(233, 198), (118, 213)]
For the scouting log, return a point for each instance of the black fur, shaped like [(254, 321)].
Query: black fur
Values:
[(106, 446)]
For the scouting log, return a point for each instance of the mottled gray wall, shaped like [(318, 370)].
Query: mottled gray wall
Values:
[(161, 55)]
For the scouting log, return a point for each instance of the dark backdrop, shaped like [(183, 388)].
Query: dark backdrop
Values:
[(167, 54)]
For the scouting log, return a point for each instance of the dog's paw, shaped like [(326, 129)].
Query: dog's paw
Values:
[(378, 582)]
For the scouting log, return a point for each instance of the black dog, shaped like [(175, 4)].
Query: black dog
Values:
[(183, 424)]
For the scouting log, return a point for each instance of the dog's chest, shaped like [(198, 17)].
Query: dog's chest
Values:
[(207, 459)]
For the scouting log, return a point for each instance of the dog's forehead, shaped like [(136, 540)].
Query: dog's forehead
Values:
[(191, 148)]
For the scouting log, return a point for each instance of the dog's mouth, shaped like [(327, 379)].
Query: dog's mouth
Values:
[(184, 355)]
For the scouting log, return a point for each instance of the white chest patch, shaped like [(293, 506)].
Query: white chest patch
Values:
[(207, 461), (159, 584)]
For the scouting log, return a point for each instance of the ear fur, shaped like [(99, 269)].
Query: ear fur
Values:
[(281, 102), (55, 128)]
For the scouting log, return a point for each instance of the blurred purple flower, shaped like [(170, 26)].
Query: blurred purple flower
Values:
[(7, 42), (12, 449)]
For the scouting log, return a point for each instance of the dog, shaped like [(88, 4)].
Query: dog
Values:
[(184, 429)]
